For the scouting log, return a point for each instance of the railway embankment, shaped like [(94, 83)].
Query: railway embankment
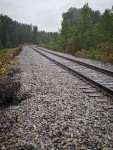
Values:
[(57, 114)]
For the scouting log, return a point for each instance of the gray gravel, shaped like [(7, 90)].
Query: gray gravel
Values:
[(57, 115), (101, 78), (100, 64)]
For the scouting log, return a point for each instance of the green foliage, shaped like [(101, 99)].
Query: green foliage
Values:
[(45, 37), (86, 33), (57, 44), (103, 52), (106, 22), (1, 46), (13, 33), (34, 36)]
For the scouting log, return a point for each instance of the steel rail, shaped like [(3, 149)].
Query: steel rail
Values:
[(75, 73), (110, 73)]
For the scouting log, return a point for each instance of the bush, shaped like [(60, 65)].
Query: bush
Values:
[(83, 53), (106, 48), (8, 91), (104, 52)]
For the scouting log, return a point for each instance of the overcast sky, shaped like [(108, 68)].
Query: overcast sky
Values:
[(46, 14)]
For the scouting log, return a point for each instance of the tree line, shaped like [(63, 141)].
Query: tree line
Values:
[(83, 28), (13, 33)]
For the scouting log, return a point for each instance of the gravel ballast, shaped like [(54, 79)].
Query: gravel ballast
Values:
[(56, 115), (100, 64)]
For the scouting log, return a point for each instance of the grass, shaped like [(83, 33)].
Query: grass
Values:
[(7, 58)]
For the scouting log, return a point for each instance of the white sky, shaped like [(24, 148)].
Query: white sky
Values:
[(46, 14)]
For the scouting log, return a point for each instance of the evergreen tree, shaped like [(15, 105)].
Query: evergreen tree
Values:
[(34, 38), (106, 26)]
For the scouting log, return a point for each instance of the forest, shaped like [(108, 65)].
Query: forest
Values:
[(85, 33), (13, 34)]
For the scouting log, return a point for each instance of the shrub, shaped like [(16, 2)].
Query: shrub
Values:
[(8, 91), (104, 52)]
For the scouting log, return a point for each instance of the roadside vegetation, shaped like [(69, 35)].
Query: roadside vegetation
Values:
[(7, 58), (9, 87), (85, 33), (104, 52)]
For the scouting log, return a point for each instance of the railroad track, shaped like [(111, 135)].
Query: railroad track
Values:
[(99, 82), (110, 73)]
